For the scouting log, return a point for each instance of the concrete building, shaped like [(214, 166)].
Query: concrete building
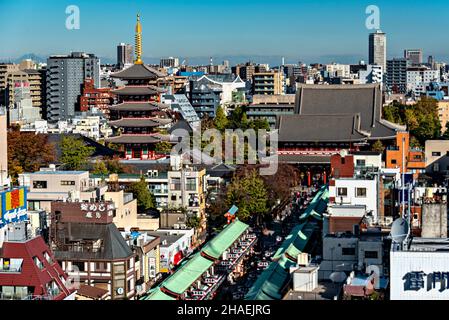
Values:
[(268, 83), (5, 70), (49, 185), (396, 75), (208, 92), (125, 55), (414, 57), (37, 83), (22, 111), (372, 74), (378, 49), (338, 70), (419, 77), (65, 76), (437, 156), (169, 62), (434, 220), (270, 106), (348, 252)]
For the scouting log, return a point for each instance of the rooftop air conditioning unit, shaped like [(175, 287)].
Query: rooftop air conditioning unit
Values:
[(176, 226), (183, 227)]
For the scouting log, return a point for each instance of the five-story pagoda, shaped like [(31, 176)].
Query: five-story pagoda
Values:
[(138, 116)]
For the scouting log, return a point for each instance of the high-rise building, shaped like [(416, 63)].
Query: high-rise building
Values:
[(396, 79), (378, 49), (124, 55), (414, 57), (169, 62), (65, 77), (36, 86)]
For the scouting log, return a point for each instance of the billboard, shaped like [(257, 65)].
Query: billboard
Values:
[(13, 206)]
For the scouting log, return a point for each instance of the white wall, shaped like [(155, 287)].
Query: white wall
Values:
[(370, 201)]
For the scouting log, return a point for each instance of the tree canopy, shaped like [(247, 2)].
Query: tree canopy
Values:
[(28, 152), (421, 118), (74, 153), (249, 194), (145, 199)]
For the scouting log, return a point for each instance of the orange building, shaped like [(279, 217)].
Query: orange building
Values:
[(414, 158)]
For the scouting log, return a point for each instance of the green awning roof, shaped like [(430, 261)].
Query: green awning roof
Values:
[(225, 239), (184, 277), (158, 295), (270, 283)]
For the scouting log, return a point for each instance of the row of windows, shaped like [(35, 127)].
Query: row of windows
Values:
[(359, 192), (351, 252), (44, 184)]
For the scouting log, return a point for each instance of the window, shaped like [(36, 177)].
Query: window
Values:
[(67, 183), (191, 184), (342, 192), (38, 263), (393, 161), (436, 154), (48, 258), (371, 255), (360, 192), (40, 184), (348, 251), (175, 184), (361, 163), (101, 266), (343, 160)]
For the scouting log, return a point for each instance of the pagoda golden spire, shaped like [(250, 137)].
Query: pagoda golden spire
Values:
[(138, 44)]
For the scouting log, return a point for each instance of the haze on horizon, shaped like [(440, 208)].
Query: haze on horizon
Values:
[(305, 30)]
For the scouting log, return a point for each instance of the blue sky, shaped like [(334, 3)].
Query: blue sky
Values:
[(307, 30)]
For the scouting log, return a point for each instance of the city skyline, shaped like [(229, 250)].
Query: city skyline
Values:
[(313, 35)]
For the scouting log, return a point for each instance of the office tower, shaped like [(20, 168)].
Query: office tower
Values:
[(169, 62), (396, 79), (124, 55), (414, 57), (378, 49), (65, 77)]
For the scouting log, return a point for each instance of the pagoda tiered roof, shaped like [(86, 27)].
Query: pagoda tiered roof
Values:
[(138, 72), (137, 106), (135, 91), (138, 138), (139, 122)]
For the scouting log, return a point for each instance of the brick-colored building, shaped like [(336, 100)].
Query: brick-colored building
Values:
[(414, 158), (91, 97)]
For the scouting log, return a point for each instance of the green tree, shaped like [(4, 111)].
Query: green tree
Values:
[(100, 168), (163, 147), (145, 199), (249, 194), (193, 222), (74, 153), (220, 121), (446, 132), (378, 146)]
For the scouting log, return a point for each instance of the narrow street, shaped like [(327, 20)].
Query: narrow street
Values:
[(269, 241)]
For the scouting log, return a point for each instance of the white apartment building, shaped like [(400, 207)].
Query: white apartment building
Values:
[(339, 70), (372, 74), (418, 78)]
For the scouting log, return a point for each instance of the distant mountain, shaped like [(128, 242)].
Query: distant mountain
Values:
[(32, 56)]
